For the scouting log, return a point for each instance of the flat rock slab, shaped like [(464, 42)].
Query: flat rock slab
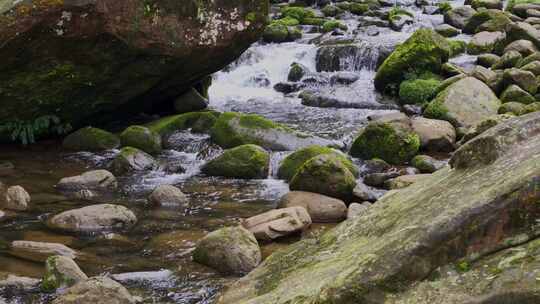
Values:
[(469, 209)]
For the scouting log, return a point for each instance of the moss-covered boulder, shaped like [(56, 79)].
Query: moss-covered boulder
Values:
[(246, 161), (325, 174), (132, 159), (331, 25), (464, 103), (394, 142), (514, 93), (424, 51), (533, 107), (512, 107), (61, 272), (490, 20), (426, 163), (142, 138), (418, 91), (290, 164), (466, 212), (232, 250), (88, 61), (278, 32), (234, 129), (198, 122), (485, 42), (91, 139)]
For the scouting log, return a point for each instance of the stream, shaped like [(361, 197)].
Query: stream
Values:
[(153, 260)]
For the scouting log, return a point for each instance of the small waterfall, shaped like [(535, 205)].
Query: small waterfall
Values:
[(348, 57)]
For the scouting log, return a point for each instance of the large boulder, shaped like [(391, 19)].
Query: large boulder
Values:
[(321, 208), (91, 139), (459, 16), (435, 135), (324, 174), (235, 129), (290, 164), (424, 51), (132, 159), (232, 250), (94, 218), (141, 138), (485, 42), (246, 161), (98, 290), (92, 60), (469, 211), (464, 103)]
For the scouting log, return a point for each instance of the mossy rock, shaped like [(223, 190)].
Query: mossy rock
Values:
[(331, 10), (287, 21), (325, 174), (426, 163), (314, 21), (198, 122), (60, 272), (246, 161), (457, 47), (296, 72), (278, 32), (331, 25), (91, 139), (141, 138), (517, 94), (487, 20), (424, 51), (512, 107), (298, 13), (390, 142), (418, 91), (359, 8), (290, 165), (131, 159), (235, 129), (533, 107)]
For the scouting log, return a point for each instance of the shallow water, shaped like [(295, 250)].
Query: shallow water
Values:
[(154, 259)]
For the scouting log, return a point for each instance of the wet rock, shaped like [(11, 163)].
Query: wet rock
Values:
[(485, 42), (524, 47), (314, 79), (524, 79), (366, 21), (344, 78), (245, 161), (132, 159), (450, 69), (94, 218), (347, 57), (319, 99), (11, 281), (141, 138), (365, 193), (447, 30), (378, 179), (91, 139), (459, 16), (394, 142), (490, 4), (356, 209), (278, 33), (412, 109), (168, 195), (375, 165), (508, 60), (144, 276), (325, 174), (515, 93), (296, 72), (98, 290), (132, 66), (488, 20), (397, 22), (189, 101), (435, 135), (229, 250), (426, 163), (40, 251), (404, 215), (523, 31), (290, 164), (425, 49), (464, 103), (198, 122), (15, 198), (288, 87), (487, 60), (533, 67), (321, 208), (512, 107), (278, 223), (61, 272), (91, 180), (235, 129), (431, 10)]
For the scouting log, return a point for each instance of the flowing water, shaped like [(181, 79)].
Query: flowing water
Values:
[(153, 260)]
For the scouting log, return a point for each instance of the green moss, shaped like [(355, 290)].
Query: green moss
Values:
[(246, 161), (486, 20), (298, 13), (314, 21), (436, 110), (290, 165), (91, 139), (359, 8), (457, 47), (388, 142), (533, 107), (424, 51), (325, 174), (395, 11), (444, 7), (251, 17), (287, 21), (418, 91), (53, 279), (331, 25), (331, 10), (276, 32), (199, 122), (142, 138)]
